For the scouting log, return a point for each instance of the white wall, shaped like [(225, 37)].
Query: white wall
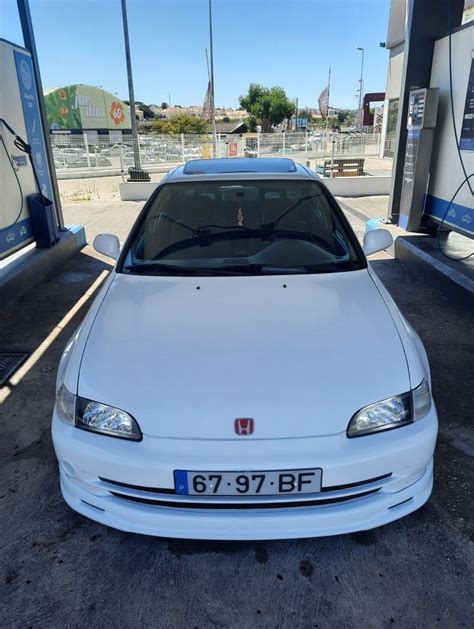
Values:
[(394, 73), (358, 186), (446, 172), (339, 186), (137, 190)]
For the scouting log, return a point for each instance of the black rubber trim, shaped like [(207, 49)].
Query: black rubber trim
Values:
[(91, 505), (164, 490), (357, 484), (399, 504), (155, 490), (242, 505)]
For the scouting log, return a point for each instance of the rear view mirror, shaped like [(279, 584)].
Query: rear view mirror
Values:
[(377, 240), (107, 244)]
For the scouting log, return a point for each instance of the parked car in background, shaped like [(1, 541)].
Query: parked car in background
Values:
[(250, 152), (79, 158), (115, 150), (145, 158)]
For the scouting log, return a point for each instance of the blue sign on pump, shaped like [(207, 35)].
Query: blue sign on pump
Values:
[(31, 114)]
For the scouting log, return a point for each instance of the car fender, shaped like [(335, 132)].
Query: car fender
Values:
[(70, 363), (417, 359)]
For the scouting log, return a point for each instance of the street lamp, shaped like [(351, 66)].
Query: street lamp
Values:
[(211, 77), (136, 174), (361, 82)]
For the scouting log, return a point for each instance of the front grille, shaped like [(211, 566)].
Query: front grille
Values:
[(165, 497), (243, 505)]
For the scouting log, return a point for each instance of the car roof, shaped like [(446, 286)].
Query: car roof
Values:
[(239, 168)]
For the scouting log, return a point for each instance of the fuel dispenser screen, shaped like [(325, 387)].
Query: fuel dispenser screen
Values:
[(416, 110), (421, 120), (466, 142)]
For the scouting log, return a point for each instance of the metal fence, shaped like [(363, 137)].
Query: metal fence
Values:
[(92, 169)]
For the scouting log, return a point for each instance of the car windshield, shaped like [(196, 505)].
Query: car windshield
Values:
[(244, 227)]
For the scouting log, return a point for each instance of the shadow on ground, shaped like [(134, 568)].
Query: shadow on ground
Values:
[(60, 569)]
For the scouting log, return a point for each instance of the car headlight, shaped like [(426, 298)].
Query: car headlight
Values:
[(95, 417), (393, 412), (106, 420)]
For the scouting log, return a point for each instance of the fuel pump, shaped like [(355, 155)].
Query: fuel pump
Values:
[(44, 227), (422, 114), (26, 213)]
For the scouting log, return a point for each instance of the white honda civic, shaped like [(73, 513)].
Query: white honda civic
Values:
[(243, 373)]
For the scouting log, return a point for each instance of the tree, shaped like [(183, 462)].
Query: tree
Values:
[(251, 123), (346, 117), (305, 113), (270, 106), (180, 123), (164, 105), (226, 119), (147, 112)]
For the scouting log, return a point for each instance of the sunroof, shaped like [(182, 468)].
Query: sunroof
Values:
[(239, 165)]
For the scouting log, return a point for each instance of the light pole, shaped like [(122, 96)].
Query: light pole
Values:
[(30, 45), (213, 111), (361, 82), (137, 173)]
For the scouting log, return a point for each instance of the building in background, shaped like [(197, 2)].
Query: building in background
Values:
[(395, 44), (79, 109), (231, 128)]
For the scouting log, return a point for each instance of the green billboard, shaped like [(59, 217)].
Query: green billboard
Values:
[(78, 107)]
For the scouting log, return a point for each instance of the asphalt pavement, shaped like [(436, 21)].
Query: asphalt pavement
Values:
[(59, 569)]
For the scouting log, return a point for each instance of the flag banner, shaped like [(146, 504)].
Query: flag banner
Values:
[(207, 107), (378, 120), (323, 102)]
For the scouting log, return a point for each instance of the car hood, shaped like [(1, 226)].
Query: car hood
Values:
[(300, 354)]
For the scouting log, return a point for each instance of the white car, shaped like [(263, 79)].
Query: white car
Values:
[(243, 373)]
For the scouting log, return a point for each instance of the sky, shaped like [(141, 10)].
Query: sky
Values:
[(291, 43)]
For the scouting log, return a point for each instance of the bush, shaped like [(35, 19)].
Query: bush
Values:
[(180, 123)]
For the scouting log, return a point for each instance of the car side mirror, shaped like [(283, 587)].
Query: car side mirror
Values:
[(107, 244), (377, 240)]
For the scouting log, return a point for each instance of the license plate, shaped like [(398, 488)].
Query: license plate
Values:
[(248, 483)]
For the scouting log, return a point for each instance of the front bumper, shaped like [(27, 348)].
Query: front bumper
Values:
[(398, 464)]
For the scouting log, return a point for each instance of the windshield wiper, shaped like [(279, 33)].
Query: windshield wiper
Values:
[(262, 269), (197, 230), (212, 226), (297, 234), (193, 230), (160, 268), (203, 232), (268, 227)]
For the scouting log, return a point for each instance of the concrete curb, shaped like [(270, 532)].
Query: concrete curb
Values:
[(137, 190), (358, 186), (31, 266), (408, 252), (339, 186)]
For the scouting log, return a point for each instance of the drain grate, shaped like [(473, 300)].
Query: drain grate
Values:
[(9, 363)]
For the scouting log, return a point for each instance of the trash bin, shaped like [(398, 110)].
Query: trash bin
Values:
[(43, 220), (136, 174)]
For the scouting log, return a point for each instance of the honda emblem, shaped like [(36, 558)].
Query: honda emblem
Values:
[(243, 427)]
